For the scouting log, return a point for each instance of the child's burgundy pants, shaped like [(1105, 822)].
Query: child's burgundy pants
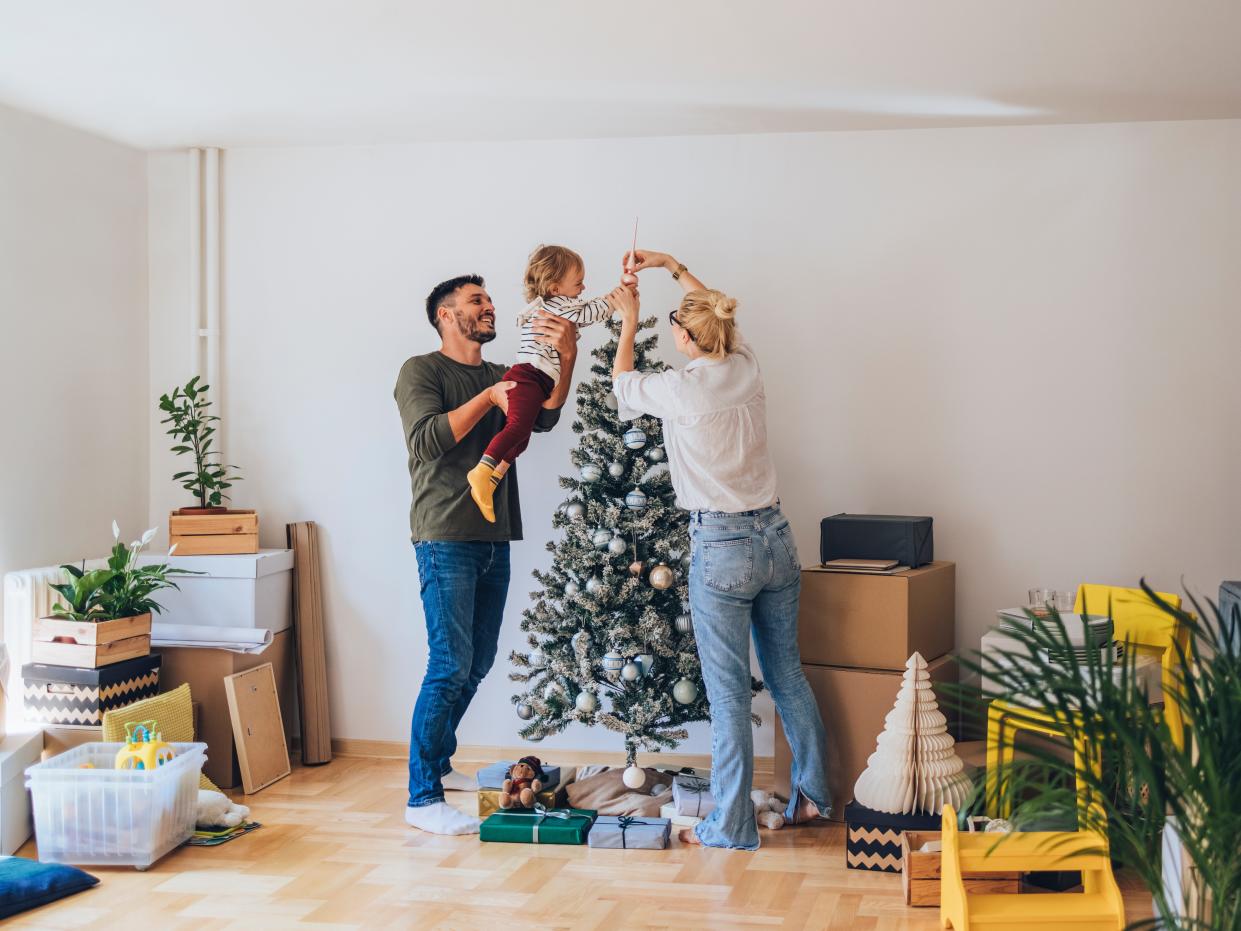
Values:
[(525, 400)]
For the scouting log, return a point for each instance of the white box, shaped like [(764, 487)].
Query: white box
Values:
[(246, 590), (88, 812), (17, 751)]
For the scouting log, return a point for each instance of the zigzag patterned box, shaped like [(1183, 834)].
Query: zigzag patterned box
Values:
[(69, 695), (873, 838)]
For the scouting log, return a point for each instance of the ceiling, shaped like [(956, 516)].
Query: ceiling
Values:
[(155, 73)]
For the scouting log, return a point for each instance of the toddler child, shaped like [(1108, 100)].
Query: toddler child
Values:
[(553, 283)]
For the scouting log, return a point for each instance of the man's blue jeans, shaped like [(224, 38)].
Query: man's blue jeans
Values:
[(463, 590), (744, 576)]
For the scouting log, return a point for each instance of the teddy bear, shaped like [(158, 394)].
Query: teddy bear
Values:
[(768, 809), (522, 783), (215, 810)]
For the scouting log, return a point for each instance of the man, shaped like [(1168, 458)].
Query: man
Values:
[(452, 403)]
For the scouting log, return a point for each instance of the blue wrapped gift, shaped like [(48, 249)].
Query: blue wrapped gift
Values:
[(492, 776), (692, 795), (621, 832)]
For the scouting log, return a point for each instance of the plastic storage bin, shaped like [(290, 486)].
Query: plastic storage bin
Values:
[(105, 816)]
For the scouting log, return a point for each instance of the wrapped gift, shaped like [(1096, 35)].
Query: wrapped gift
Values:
[(492, 776), (669, 811), (538, 826), (620, 832), (489, 801), (692, 796)]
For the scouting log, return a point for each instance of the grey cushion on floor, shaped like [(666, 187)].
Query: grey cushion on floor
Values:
[(27, 884)]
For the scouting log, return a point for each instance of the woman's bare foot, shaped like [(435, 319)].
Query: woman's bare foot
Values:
[(688, 836), (806, 811)]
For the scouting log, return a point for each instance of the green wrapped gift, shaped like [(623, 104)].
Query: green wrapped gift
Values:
[(538, 826)]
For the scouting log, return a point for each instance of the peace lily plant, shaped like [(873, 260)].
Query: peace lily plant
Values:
[(121, 589)]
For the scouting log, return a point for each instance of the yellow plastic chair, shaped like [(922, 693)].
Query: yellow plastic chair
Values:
[(1146, 627), (1098, 907), (1149, 629)]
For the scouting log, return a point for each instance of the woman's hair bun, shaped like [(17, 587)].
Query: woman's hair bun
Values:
[(724, 307)]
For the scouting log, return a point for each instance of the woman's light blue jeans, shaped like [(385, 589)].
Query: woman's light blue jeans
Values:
[(744, 575)]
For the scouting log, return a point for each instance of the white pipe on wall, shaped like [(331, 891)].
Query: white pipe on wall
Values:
[(211, 274), (196, 260)]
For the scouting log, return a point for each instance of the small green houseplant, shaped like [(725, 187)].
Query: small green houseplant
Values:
[(105, 614), (194, 430)]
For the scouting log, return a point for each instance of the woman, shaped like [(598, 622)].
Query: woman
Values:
[(744, 572)]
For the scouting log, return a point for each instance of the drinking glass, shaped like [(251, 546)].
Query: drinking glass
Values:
[(1064, 601), (1039, 597)]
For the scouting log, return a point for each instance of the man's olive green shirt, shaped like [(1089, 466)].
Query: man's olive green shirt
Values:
[(427, 389)]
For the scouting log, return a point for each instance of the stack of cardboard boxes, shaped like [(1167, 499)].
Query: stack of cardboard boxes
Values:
[(855, 632)]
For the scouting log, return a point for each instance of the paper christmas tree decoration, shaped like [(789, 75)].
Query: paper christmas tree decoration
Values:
[(915, 767)]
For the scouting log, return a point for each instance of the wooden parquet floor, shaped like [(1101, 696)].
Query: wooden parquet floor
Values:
[(334, 852)]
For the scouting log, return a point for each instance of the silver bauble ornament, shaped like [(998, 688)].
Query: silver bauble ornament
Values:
[(655, 454), (617, 546), (594, 585), (644, 662), (661, 577), (571, 588), (612, 661), (610, 402), (535, 738), (684, 623), (525, 712), (590, 472), (601, 538), (685, 691), (537, 659), (635, 438), (634, 777), (575, 510), (586, 702), (616, 470), (636, 499), (630, 671), (685, 561)]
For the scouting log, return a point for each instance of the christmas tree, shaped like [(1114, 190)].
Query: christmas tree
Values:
[(612, 623)]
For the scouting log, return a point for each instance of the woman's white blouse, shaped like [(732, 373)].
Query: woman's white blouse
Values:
[(714, 414)]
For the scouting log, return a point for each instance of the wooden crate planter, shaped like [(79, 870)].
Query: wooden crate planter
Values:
[(920, 873), (88, 645), (221, 534)]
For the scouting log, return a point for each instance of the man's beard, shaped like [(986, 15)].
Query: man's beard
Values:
[(471, 329)]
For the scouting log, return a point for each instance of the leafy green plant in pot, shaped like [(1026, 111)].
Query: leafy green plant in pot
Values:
[(194, 430), (104, 606), (1154, 788)]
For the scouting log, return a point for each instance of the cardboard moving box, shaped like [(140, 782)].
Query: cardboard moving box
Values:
[(876, 621), (853, 703), (204, 670)]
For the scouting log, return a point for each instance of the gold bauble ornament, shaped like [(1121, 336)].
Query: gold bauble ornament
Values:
[(662, 577)]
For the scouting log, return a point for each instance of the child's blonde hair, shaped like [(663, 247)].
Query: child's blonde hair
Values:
[(708, 315), (547, 266)]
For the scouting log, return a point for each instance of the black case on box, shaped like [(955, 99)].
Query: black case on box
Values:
[(908, 540), (70, 695)]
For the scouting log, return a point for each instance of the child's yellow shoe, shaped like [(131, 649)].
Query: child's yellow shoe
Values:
[(482, 488)]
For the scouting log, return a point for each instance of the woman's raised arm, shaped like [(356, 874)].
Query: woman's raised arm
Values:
[(645, 258)]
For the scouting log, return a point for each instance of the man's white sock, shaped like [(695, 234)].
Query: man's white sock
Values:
[(440, 818), (454, 781)]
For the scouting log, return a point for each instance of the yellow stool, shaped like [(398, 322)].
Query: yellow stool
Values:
[(1097, 908), (1004, 721)]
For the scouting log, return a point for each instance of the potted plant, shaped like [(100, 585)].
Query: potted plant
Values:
[(1155, 795), (194, 431), (208, 526), (105, 614)]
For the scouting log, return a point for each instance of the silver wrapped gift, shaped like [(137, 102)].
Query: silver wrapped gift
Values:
[(621, 832), (692, 796)]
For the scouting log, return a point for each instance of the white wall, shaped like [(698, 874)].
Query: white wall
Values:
[(73, 342), (1029, 333)]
